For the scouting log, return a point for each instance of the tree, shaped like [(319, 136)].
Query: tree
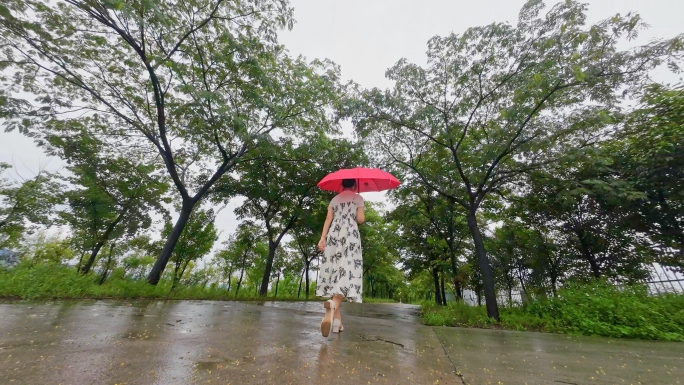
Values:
[(522, 258), (25, 204), (111, 195), (200, 83), (583, 202), (649, 153), (306, 233), (47, 249), (495, 101), (422, 247), (280, 182), (227, 262), (195, 243), (139, 252), (241, 251), (447, 225), (282, 264)]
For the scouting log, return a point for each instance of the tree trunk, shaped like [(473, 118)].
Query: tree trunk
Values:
[(272, 245), (185, 266), (80, 261), (438, 293), (306, 278), (588, 255), (159, 266), (301, 279), (318, 270), (444, 301), (276, 289), (103, 278), (103, 239), (93, 256), (175, 278), (230, 274), (457, 282), (242, 273), (485, 268), (458, 288)]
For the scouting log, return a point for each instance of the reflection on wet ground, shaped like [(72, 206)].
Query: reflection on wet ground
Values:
[(388, 311), (156, 342), (181, 342)]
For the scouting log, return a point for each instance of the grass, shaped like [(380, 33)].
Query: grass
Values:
[(378, 300), (61, 282), (598, 308)]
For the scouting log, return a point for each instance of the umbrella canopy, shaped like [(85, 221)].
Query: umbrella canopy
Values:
[(367, 180)]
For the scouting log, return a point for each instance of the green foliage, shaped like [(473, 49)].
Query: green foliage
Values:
[(455, 314), (599, 308), (44, 248), (25, 204), (648, 154), (50, 281), (279, 185), (196, 241), (498, 101), (199, 92), (240, 256), (44, 281), (378, 300), (524, 127), (51, 250)]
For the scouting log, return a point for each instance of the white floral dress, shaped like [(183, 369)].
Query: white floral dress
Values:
[(341, 270)]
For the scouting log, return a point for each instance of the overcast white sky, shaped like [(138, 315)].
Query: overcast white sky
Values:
[(365, 37)]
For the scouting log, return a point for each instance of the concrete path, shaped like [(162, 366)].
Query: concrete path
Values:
[(508, 357), (185, 342)]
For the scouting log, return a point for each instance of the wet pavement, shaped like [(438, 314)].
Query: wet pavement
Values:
[(509, 357), (192, 342)]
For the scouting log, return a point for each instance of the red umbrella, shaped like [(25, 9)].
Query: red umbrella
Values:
[(367, 179)]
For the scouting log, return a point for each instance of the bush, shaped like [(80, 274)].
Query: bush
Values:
[(44, 280), (603, 309), (455, 314), (378, 300), (34, 281), (598, 308)]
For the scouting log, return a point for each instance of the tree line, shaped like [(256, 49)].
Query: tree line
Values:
[(531, 154)]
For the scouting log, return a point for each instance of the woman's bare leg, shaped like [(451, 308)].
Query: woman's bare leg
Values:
[(331, 314), (338, 305)]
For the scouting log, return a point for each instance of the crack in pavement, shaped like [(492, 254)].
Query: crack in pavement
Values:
[(456, 371), (375, 338)]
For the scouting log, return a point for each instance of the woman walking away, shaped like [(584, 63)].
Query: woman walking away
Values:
[(342, 266)]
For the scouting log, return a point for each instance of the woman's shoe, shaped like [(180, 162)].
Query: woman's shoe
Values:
[(337, 325), (327, 322)]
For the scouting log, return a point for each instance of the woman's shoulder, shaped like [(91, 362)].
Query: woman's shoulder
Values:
[(346, 196)]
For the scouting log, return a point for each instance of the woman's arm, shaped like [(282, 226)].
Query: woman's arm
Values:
[(360, 213), (326, 227)]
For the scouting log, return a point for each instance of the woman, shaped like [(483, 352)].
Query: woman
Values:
[(341, 265)]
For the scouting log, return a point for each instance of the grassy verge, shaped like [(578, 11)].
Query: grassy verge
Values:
[(378, 300), (60, 282), (591, 309)]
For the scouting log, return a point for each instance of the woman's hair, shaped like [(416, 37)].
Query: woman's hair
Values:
[(348, 183)]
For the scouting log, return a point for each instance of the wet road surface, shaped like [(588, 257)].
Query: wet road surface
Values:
[(192, 342)]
